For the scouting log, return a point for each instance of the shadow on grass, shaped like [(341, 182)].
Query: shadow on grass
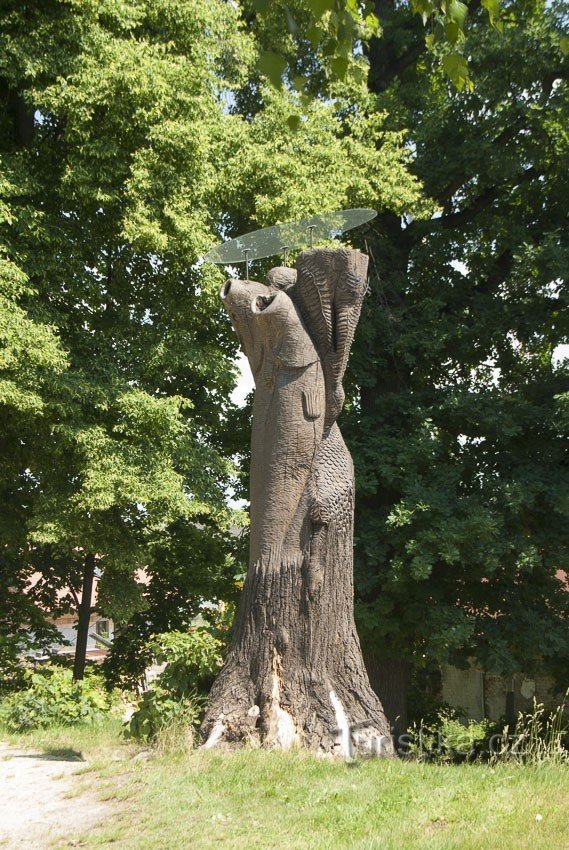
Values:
[(53, 754)]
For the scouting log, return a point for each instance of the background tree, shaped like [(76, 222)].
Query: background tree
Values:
[(335, 29), (116, 368), (456, 430)]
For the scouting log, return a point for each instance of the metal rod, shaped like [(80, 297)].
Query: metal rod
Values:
[(285, 249), (311, 228), (246, 253)]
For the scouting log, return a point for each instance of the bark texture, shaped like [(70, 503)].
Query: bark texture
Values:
[(84, 618), (294, 674)]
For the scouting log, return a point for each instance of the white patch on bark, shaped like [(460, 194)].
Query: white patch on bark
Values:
[(215, 735), (282, 730), (344, 734)]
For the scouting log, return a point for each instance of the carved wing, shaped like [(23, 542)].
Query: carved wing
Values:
[(329, 291)]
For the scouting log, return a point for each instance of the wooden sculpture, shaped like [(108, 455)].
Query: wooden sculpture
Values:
[(294, 674)]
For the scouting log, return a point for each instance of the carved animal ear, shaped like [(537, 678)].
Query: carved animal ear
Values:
[(311, 403), (281, 277)]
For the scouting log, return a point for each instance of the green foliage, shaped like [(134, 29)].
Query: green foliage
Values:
[(12, 676), (177, 695), (192, 658), (536, 737), (115, 367), (447, 23), (334, 29), (158, 710), (24, 606), (457, 422), (52, 698), (447, 739)]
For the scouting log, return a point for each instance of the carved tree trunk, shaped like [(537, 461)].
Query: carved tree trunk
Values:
[(294, 674)]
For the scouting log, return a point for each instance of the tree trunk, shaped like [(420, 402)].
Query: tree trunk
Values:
[(294, 674), (84, 618), (389, 677)]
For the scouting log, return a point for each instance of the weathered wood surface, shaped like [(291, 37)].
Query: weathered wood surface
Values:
[(294, 674)]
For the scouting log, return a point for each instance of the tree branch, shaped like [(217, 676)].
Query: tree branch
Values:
[(466, 215)]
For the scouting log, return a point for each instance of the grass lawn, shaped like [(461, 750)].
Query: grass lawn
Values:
[(247, 799)]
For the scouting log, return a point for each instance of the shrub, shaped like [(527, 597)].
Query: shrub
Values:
[(177, 695), (53, 698), (12, 671), (192, 659), (448, 739), (158, 710)]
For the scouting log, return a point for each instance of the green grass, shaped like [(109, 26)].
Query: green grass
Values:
[(250, 798), (95, 743)]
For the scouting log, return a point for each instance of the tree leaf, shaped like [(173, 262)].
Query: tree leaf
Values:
[(320, 7), (452, 31), (339, 65), (272, 65), (314, 34), (458, 12), (493, 9), (456, 68)]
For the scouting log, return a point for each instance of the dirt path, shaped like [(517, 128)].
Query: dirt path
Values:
[(36, 802)]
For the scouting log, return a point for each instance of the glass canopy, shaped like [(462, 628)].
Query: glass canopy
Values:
[(281, 238)]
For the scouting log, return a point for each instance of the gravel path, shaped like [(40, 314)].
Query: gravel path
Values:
[(36, 803)]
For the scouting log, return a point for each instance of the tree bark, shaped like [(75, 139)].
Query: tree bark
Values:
[(294, 674), (389, 678), (84, 618)]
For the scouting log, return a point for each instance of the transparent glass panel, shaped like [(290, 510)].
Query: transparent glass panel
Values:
[(280, 238)]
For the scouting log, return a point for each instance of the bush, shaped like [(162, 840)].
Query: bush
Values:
[(448, 739), (12, 671), (158, 710), (52, 698), (192, 659), (178, 694)]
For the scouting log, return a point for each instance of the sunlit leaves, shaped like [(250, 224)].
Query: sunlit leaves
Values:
[(493, 9), (335, 28), (320, 7), (332, 27), (446, 22), (115, 364), (456, 68)]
